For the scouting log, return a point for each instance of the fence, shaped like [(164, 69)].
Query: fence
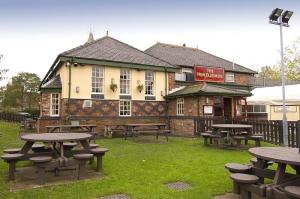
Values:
[(272, 131), (12, 117)]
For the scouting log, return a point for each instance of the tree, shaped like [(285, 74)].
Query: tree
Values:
[(292, 63), (22, 92), (2, 71)]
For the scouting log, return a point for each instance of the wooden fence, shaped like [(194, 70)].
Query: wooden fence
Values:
[(12, 117), (271, 130)]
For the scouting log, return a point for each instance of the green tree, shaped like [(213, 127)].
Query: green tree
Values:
[(2, 70), (291, 61), (22, 92)]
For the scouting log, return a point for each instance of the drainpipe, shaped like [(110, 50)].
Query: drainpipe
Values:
[(166, 90), (69, 90)]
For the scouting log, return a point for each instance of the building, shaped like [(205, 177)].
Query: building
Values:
[(266, 103), (206, 85), (107, 82)]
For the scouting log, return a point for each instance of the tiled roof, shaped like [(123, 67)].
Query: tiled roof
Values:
[(52, 83), (110, 49), (186, 56), (209, 89)]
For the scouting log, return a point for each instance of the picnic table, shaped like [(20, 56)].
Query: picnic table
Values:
[(231, 130), (160, 128), (54, 138), (283, 156), (60, 128)]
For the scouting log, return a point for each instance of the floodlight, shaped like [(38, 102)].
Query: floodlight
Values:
[(276, 13), (286, 16)]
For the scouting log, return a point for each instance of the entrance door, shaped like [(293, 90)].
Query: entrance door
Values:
[(227, 108)]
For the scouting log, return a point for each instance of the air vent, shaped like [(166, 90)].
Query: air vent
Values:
[(87, 104)]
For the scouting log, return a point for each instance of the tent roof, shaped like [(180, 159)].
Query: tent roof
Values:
[(273, 95)]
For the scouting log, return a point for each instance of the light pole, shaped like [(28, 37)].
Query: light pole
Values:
[(278, 17)]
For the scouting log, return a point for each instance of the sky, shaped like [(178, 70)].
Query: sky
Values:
[(34, 32)]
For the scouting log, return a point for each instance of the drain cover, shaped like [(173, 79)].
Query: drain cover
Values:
[(179, 185), (116, 196)]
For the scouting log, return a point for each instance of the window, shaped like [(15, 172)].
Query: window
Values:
[(180, 104), (186, 74), (97, 79), (125, 108), (229, 77), (256, 108), (54, 104), (149, 83), (125, 81)]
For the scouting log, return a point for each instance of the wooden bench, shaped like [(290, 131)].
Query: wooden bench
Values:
[(292, 191), (12, 159), (92, 146), (239, 139), (215, 139), (68, 146), (267, 163), (99, 153), (38, 148), (82, 159), (257, 139), (240, 179), (206, 136), (238, 168), (11, 151), (41, 163)]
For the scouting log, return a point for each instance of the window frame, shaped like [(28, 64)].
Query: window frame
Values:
[(230, 74), (51, 105), (101, 78), (153, 83), (180, 106), (128, 81), (130, 106), (253, 108)]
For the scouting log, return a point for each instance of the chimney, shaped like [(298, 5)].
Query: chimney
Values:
[(90, 39), (184, 45)]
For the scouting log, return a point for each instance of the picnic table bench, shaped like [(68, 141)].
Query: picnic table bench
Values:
[(59, 156), (157, 128)]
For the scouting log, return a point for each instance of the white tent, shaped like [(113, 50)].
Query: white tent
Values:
[(273, 95)]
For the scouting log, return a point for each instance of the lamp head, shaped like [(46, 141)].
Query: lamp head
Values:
[(286, 16), (276, 13)]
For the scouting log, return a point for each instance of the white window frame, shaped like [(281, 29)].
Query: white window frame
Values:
[(253, 108), (99, 79), (180, 106), (229, 75), (148, 82), (127, 82), (51, 105), (120, 106)]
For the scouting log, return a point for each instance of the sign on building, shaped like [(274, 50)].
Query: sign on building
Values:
[(209, 74)]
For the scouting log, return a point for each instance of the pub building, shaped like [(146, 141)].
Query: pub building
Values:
[(107, 82)]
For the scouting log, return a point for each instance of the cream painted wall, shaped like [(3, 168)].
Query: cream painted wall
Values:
[(81, 77), (293, 113)]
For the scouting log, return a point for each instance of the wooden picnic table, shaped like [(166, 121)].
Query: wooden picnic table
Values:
[(231, 130), (60, 128), (54, 138), (283, 156), (132, 128)]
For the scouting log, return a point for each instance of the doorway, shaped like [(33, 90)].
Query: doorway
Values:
[(227, 108)]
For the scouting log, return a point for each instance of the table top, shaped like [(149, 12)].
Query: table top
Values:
[(147, 124), (285, 155), (55, 137), (69, 125), (232, 126)]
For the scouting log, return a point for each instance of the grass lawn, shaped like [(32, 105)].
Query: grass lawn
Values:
[(140, 169)]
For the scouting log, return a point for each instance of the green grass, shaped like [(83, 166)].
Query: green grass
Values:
[(139, 169)]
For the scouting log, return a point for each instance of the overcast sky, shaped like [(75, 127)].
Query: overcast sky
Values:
[(34, 32)]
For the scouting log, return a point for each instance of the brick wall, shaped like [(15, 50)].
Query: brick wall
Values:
[(45, 105), (243, 79), (171, 81), (182, 126)]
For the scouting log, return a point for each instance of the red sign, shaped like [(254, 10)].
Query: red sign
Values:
[(209, 74)]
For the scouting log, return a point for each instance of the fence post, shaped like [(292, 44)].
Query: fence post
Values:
[(298, 135), (280, 132)]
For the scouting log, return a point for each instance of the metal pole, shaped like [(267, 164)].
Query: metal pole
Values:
[(284, 119)]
